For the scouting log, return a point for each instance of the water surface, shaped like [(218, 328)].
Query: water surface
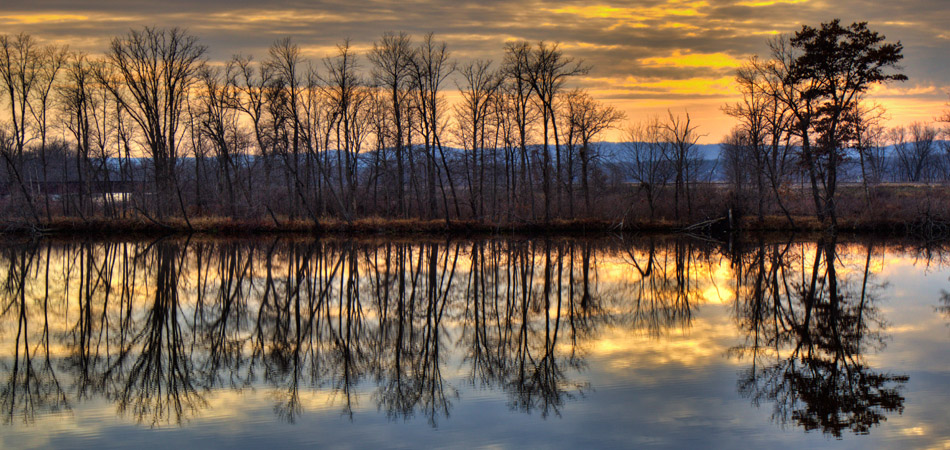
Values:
[(503, 342)]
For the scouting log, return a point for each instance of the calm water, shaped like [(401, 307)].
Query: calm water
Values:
[(501, 342)]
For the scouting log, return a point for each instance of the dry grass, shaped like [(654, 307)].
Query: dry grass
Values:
[(891, 209), (226, 225)]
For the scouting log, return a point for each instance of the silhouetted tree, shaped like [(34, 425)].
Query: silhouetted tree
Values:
[(649, 152), (151, 73), (835, 65)]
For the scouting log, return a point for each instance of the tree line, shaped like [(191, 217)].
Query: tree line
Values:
[(347, 136), (155, 130)]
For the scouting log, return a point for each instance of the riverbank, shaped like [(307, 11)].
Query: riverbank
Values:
[(924, 226), (899, 210)]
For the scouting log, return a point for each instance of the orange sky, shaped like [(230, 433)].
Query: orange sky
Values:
[(647, 56)]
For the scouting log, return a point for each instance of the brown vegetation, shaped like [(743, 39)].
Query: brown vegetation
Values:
[(917, 210)]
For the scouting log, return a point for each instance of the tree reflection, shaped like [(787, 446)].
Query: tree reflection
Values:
[(160, 383), (944, 307), (662, 285), (807, 329), (159, 328), (31, 383)]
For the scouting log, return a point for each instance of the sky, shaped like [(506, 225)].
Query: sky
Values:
[(648, 57)]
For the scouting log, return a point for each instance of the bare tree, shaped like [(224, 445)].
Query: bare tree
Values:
[(780, 160), (517, 96), (945, 118), (251, 80), (869, 144), (431, 67), (392, 71), (348, 98), (648, 154), (586, 119), (874, 151), (736, 156), (79, 107), (801, 107), (286, 98), (20, 74), (218, 122), (682, 137), (914, 148), (547, 71), (51, 60), (154, 69), (481, 85), (752, 114)]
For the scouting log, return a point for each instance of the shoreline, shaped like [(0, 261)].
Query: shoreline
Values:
[(922, 228)]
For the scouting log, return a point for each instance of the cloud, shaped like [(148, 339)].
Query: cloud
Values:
[(668, 47)]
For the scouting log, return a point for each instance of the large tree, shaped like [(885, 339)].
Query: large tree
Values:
[(833, 67), (548, 71), (430, 68), (152, 71)]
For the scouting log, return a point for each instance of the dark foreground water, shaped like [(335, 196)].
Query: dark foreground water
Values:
[(489, 343)]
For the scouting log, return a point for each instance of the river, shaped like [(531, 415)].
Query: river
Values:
[(510, 342)]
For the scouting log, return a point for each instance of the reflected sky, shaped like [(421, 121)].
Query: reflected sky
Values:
[(647, 55), (544, 342)]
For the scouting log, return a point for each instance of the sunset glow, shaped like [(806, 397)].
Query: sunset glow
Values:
[(645, 56)]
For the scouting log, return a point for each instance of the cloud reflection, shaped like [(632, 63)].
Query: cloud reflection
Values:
[(167, 332)]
